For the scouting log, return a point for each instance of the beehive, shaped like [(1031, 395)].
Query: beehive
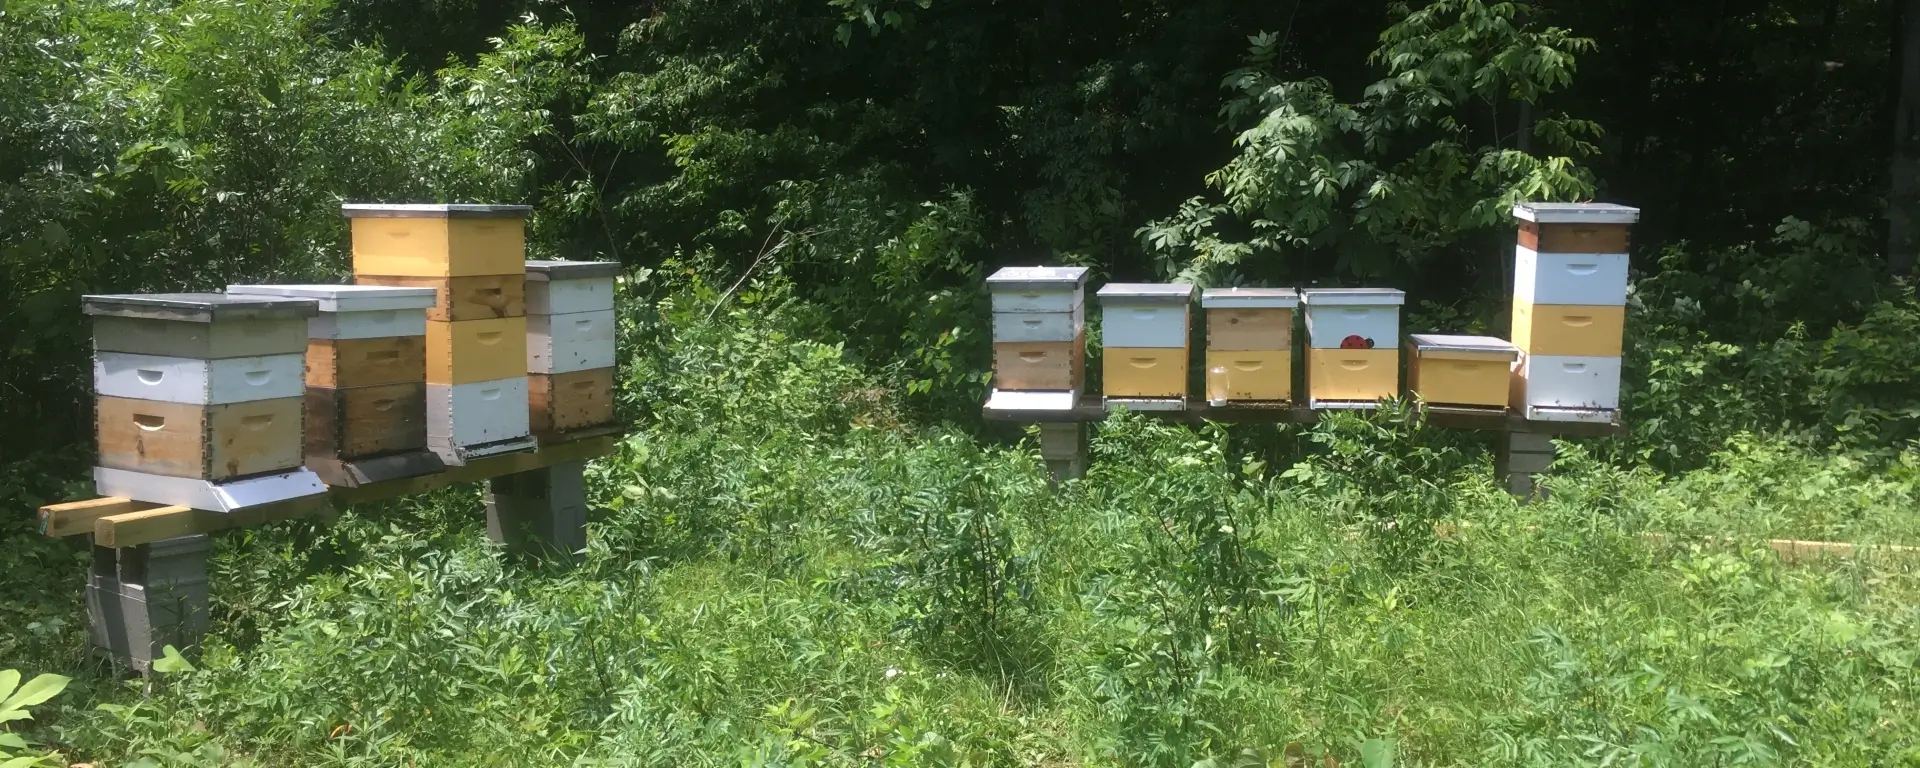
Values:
[(1353, 339), (1144, 332), (474, 258), (199, 398), (1039, 337), (366, 380), (570, 345), (1460, 370), (1249, 343), (1569, 309)]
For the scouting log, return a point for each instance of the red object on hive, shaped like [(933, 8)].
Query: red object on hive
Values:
[(1356, 342)]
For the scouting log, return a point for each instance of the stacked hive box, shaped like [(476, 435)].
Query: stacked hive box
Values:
[(1569, 309), (1144, 330), (366, 396), (570, 331), (474, 257), (1353, 355), (1468, 371), (1249, 343), (199, 399), (1039, 337)]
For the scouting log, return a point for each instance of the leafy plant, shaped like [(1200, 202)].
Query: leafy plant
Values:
[(14, 700)]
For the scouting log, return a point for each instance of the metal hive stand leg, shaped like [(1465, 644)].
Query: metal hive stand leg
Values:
[(540, 512)]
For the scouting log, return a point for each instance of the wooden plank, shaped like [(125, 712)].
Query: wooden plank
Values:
[(254, 438), (145, 526), (480, 469), (76, 517), (128, 527), (350, 363), (1091, 408)]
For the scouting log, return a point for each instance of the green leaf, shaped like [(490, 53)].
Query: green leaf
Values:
[(171, 661), (1377, 753), (9, 679), (21, 762), (12, 741), (34, 692)]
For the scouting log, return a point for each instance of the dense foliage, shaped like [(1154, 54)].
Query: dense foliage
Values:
[(812, 552)]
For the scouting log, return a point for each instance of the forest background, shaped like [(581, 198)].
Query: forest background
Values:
[(826, 183)]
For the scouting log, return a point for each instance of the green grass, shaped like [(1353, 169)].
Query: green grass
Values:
[(784, 573)]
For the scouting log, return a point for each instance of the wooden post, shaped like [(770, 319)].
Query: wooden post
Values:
[(1522, 457), (540, 512), (1064, 447), (144, 598)]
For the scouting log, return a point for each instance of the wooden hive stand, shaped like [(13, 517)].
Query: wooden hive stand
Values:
[(147, 587)]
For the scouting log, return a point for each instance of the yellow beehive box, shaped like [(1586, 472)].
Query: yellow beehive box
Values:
[(1145, 329), (438, 240), (469, 351), (1352, 378), (1145, 372), (1568, 329), (1470, 371), (1249, 376)]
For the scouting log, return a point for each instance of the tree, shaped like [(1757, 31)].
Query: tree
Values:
[(1903, 206)]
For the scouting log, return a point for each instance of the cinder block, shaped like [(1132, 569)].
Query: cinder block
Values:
[(142, 599), (540, 512), (1529, 442)]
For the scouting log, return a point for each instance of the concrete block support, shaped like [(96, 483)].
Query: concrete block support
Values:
[(142, 599), (1064, 447), (540, 512), (1520, 461)]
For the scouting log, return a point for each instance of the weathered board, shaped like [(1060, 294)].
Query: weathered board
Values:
[(355, 363), (205, 341), (1575, 238), (471, 297), (366, 421), (567, 401), (1039, 365), (211, 442), (1249, 330)]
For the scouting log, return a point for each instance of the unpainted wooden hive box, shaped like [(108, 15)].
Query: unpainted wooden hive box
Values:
[(1249, 343)]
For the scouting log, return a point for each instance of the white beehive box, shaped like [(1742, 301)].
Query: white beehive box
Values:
[(196, 399), (1146, 315), (349, 312), (1337, 318), (566, 287)]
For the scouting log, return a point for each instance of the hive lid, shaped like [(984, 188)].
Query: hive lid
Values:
[(1576, 213), (199, 307), (1144, 293), (345, 298), (1434, 342), (1250, 298), (571, 270), (1037, 278), (433, 211), (1353, 297)]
